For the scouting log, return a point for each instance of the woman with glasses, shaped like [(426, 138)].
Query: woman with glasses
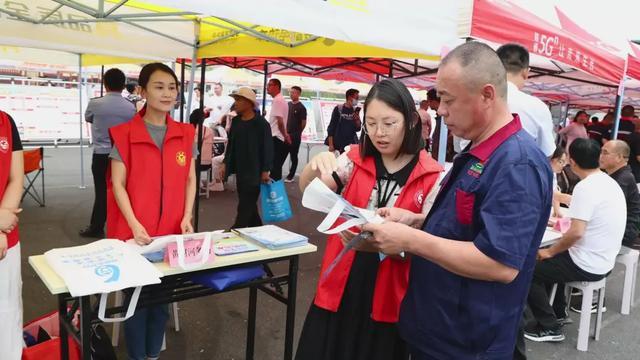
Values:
[(558, 161), (356, 306)]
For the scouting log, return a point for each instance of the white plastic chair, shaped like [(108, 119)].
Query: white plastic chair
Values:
[(629, 258), (587, 288)]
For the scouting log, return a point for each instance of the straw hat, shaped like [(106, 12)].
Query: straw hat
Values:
[(247, 93)]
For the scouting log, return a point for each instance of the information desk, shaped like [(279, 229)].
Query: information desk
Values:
[(177, 286)]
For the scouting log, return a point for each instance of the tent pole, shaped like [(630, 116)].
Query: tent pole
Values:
[(203, 68), (192, 78), (182, 89), (82, 185), (616, 121), (102, 81), (264, 88), (194, 59), (173, 112)]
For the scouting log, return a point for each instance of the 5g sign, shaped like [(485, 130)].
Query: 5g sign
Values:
[(544, 45)]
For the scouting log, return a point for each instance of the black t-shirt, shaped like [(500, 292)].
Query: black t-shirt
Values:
[(627, 183), (297, 114), (634, 144), (15, 135), (598, 132), (625, 129)]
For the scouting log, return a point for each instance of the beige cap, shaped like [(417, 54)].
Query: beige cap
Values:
[(246, 93)]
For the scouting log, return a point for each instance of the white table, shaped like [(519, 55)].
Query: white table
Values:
[(550, 237), (177, 286), (310, 144)]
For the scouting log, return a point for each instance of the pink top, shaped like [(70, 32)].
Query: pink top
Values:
[(575, 130), (206, 153)]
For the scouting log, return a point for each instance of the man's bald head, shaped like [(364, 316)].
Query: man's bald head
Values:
[(620, 147), (480, 65)]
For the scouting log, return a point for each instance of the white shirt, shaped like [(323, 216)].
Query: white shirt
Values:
[(219, 105), (599, 201), (534, 116), (279, 107)]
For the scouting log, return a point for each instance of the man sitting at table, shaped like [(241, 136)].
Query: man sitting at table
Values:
[(613, 159), (587, 251)]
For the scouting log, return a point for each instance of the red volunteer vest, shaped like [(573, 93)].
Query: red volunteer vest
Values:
[(6, 146), (393, 275), (156, 180)]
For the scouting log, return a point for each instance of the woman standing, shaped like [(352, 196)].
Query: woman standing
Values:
[(151, 189), (11, 175), (576, 130), (356, 307)]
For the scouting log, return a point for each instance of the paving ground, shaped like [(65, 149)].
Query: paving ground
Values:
[(214, 328)]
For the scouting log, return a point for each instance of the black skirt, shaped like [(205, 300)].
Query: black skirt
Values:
[(350, 333)]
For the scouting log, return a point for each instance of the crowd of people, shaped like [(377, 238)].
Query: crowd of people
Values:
[(464, 276)]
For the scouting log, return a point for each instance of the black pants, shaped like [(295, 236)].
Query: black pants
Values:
[(293, 150), (280, 151), (559, 269), (248, 215), (99, 164)]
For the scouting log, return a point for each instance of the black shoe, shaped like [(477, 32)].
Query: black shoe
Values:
[(90, 232), (566, 320), (594, 309), (542, 335)]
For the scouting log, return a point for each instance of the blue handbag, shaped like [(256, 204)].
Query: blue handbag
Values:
[(274, 202), (223, 279)]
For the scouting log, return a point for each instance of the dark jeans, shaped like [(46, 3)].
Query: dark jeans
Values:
[(248, 215), (99, 164), (144, 332), (280, 151), (559, 269), (294, 148)]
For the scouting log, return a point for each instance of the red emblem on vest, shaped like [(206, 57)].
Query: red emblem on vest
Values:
[(4, 144)]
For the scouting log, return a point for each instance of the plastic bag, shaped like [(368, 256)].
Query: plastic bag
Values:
[(274, 202), (221, 280)]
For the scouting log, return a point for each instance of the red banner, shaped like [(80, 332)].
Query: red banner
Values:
[(503, 22)]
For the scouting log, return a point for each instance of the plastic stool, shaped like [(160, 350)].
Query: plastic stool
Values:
[(587, 288), (629, 258)]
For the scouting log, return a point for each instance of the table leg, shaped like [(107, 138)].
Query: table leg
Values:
[(85, 327), (64, 336), (251, 322), (291, 307), (308, 151)]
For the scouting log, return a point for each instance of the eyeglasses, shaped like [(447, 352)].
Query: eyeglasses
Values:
[(385, 127)]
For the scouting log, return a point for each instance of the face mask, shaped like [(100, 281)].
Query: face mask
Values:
[(354, 102)]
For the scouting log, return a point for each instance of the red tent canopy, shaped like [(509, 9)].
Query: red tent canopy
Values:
[(504, 22)]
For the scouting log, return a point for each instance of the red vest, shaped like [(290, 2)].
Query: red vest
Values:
[(156, 180), (6, 146), (393, 275)]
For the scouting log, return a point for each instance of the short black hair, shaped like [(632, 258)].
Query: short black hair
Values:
[(396, 95), (514, 57), (297, 88), (432, 95), (585, 153), (557, 154), (114, 79), (350, 93), (131, 87), (196, 117), (149, 69), (628, 111), (277, 82), (581, 112)]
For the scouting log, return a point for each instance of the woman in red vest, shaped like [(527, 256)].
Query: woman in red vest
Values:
[(356, 306), (11, 175), (151, 189)]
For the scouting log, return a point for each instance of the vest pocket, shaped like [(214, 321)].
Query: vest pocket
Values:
[(464, 206)]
